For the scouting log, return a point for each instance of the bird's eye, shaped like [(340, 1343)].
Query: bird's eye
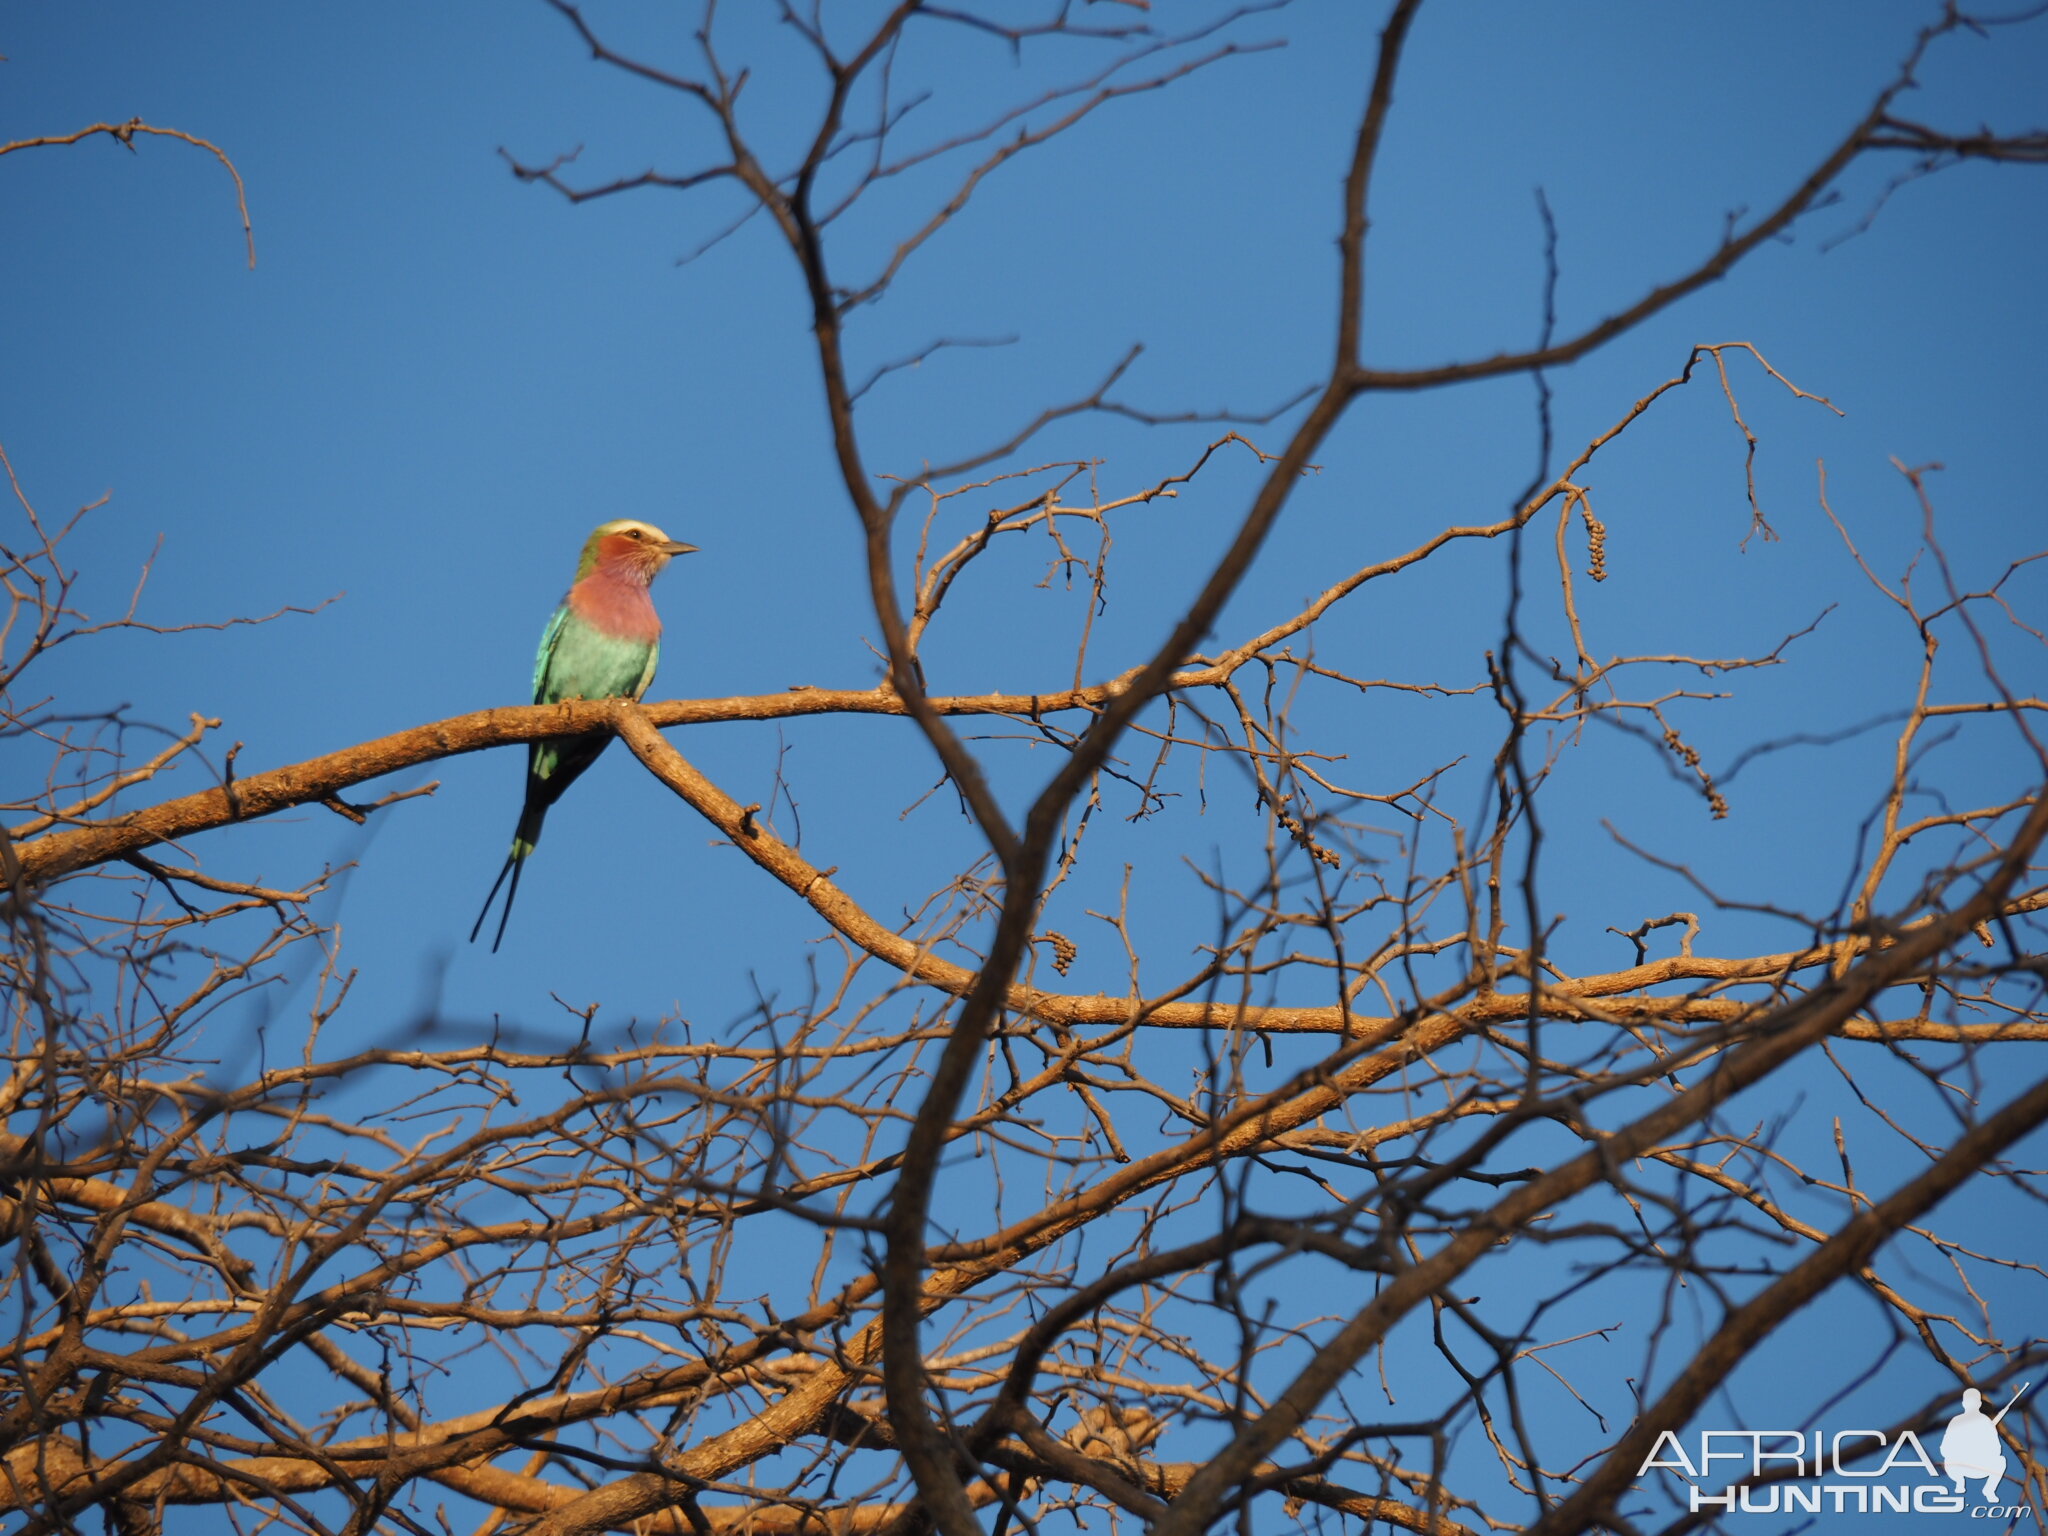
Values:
[(633, 533)]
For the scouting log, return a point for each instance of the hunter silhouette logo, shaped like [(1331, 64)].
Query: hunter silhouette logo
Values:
[(1845, 1471), (1969, 1446)]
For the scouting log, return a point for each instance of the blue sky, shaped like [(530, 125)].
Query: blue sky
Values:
[(437, 379)]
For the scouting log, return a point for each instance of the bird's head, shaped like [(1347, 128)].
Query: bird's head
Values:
[(628, 547)]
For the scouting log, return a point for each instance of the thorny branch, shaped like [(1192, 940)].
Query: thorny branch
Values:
[(124, 135)]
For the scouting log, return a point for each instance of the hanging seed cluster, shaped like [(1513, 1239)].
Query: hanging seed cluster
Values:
[(1691, 758)]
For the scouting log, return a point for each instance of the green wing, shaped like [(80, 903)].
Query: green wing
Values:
[(647, 675), (548, 638)]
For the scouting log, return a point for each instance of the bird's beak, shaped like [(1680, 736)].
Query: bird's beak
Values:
[(674, 548)]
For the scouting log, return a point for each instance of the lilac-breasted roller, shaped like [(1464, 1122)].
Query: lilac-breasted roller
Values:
[(602, 643)]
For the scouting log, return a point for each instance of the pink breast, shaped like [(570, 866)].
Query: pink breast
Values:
[(616, 606)]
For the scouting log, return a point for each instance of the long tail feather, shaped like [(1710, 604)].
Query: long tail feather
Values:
[(531, 815), (512, 860), (512, 895)]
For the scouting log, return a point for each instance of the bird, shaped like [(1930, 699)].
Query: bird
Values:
[(602, 643)]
